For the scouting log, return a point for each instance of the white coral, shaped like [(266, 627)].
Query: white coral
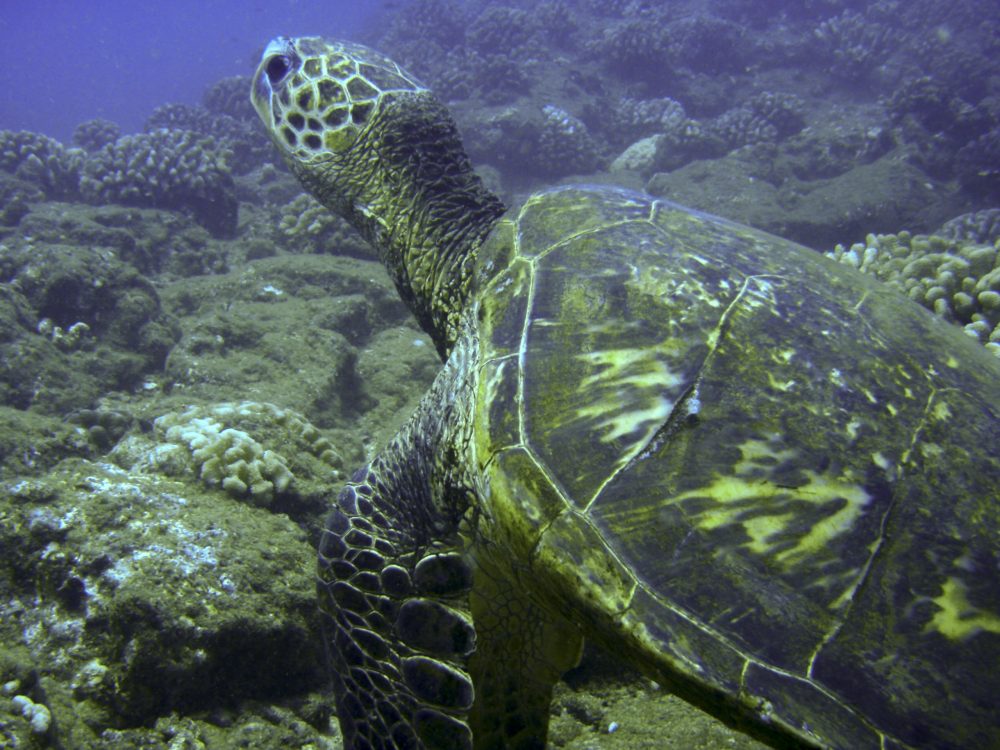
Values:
[(227, 457)]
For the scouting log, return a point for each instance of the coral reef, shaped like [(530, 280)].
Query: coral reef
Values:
[(440, 22), (238, 134), (500, 29), (855, 45), (956, 279), (556, 21), (307, 226), (930, 104), (686, 141), (938, 124), (633, 119), (766, 118), (38, 715), (784, 112), (175, 169), (231, 459), (614, 8), (979, 227), (636, 47), (229, 97), (977, 165), (498, 78), (638, 157), (193, 118), (94, 135), (565, 146), (215, 444), (695, 43), (41, 161), (150, 240), (32, 443), (104, 427), (835, 143)]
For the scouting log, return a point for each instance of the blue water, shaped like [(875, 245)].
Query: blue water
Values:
[(67, 61)]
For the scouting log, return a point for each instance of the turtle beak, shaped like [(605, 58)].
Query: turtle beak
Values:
[(279, 61)]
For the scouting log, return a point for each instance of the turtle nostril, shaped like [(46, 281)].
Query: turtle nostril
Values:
[(277, 68)]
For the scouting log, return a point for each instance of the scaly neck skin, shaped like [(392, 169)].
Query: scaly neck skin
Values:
[(408, 187)]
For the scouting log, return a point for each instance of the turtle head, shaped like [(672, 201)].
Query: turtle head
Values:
[(374, 145), (317, 96)]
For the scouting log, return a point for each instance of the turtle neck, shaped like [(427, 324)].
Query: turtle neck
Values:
[(408, 187)]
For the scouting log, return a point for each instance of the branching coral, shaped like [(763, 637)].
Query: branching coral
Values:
[(41, 161), (766, 118), (634, 47), (565, 145), (979, 227), (94, 135), (229, 97), (500, 29), (309, 227), (174, 169), (856, 45), (637, 118), (234, 131)]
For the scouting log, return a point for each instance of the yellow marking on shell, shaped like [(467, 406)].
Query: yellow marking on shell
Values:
[(635, 366), (657, 281), (853, 578), (762, 528), (752, 451), (755, 292), (823, 489), (931, 451), (626, 423), (957, 619), (941, 411), (629, 400), (746, 500), (780, 385), (852, 429)]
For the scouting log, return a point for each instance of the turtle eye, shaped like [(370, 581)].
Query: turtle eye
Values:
[(277, 68)]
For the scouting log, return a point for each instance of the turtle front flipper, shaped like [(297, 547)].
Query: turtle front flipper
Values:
[(398, 626), (521, 652)]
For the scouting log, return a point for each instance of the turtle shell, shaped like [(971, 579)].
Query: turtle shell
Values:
[(772, 478)]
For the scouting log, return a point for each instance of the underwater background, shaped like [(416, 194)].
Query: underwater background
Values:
[(194, 354)]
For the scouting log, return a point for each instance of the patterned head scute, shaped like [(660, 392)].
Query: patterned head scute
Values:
[(316, 96)]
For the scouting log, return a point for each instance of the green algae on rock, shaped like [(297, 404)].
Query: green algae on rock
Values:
[(131, 595)]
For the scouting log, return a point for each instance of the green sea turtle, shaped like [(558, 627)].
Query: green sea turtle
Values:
[(762, 478)]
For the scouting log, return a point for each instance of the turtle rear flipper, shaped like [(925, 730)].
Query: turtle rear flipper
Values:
[(521, 652)]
